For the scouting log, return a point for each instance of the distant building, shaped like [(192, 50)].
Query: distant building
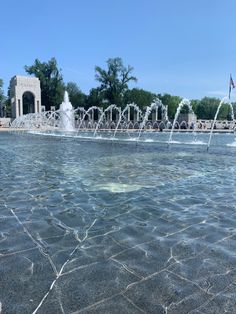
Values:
[(187, 117), (25, 95)]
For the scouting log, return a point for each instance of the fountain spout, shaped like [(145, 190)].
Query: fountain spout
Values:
[(67, 114), (66, 97)]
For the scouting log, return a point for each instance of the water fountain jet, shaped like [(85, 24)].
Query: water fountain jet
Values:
[(184, 102), (67, 114), (226, 101)]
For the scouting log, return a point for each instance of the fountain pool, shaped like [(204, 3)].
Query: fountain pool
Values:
[(113, 123), (108, 227)]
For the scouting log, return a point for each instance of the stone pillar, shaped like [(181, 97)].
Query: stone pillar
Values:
[(21, 112), (110, 114), (18, 108), (153, 115), (100, 112), (136, 115), (128, 114), (118, 114), (166, 113), (82, 115), (37, 106)]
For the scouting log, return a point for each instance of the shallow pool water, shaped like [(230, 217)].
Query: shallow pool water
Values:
[(100, 226)]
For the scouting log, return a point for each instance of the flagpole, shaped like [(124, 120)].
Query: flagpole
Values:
[(229, 85)]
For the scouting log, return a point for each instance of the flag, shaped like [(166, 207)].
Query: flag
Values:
[(231, 85)]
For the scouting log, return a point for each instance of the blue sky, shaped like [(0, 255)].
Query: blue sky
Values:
[(182, 47)]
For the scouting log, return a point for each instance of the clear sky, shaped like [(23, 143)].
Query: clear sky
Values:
[(182, 47)]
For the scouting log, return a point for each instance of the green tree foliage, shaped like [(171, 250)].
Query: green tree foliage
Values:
[(172, 102), (51, 81), (7, 103), (113, 89), (95, 98), (4, 101), (114, 81), (195, 103), (140, 97), (234, 107), (77, 98), (206, 108), (2, 97)]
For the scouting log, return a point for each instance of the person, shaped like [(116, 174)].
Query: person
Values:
[(192, 125)]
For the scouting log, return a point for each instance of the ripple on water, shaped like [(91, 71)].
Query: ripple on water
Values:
[(126, 227)]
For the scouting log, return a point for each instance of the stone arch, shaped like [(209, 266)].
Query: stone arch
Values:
[(28, 101), (25, 94)]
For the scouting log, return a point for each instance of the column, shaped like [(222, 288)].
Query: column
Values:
[(110, 114), (128, 114)]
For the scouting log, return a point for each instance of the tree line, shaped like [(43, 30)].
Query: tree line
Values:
[(113, 88)]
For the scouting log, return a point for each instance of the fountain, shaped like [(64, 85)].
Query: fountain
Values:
[(149, 109), (184, 102), (103, 115), (122, 116), (226, 101), (67, 114), (113, 123), (140, 228), (88, 114), (64, 119)]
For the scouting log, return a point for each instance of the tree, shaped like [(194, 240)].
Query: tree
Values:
[(206, 108), (51, 82), (172, 102), (5, 101), (95, 98), (140, 97), (77, 98), (234, 107), (2, 97), (114, 81), (195, 103), (2, 100)]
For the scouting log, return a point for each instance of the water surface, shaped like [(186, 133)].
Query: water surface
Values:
[(89, 226)]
